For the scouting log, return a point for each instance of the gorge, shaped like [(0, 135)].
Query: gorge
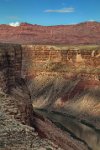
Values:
[(52, 88)]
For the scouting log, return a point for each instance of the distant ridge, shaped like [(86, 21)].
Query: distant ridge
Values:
[(25, 33)]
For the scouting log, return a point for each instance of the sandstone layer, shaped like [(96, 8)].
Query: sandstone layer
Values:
[(83, 33)]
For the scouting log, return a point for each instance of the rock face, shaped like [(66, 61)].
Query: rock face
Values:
[(21, 62), (83, 33), (10, 69), (16, 111), (13, 134), (10, 64)]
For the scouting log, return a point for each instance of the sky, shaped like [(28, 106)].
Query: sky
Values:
[(49, 12)]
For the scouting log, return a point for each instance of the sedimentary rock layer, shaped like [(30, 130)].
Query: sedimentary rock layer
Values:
[(83, 33)]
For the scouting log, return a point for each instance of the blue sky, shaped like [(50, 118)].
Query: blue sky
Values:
[(49, 12)]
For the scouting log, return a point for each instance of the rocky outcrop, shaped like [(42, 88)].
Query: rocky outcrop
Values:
[(83, 33), (16, 111), (10, 65), (10, 70), (14, 133)]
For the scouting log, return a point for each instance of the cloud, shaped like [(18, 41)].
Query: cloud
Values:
[(91, 20), (14, 24), (63, 10), (13, 17)]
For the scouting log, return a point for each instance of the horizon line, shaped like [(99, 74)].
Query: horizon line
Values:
[(9, 24)]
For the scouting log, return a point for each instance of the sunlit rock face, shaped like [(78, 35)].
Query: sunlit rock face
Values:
[(59, 78), (40, 59)]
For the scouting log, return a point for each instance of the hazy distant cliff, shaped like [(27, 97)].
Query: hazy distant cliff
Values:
[(83, 33)]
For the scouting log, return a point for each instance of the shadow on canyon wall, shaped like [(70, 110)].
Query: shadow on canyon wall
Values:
[(74, 97), (78, 128)]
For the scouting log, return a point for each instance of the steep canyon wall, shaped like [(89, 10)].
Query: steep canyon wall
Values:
[(21, 61)]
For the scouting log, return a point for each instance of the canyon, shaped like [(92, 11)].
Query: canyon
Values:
[(42, 81), (31, 61)]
